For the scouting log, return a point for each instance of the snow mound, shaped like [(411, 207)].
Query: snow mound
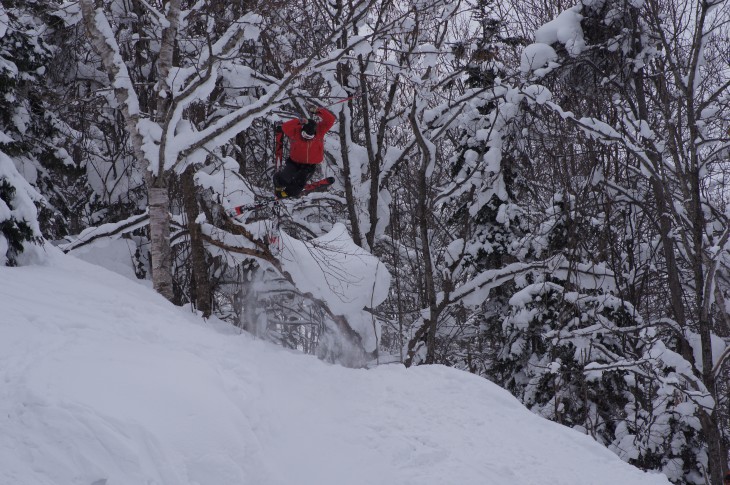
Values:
[(536, 56), (105, 383), (336, 270), (565, 29)]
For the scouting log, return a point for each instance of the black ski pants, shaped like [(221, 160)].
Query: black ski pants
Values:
[(293, 177)]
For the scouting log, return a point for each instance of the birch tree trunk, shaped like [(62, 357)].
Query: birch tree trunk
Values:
[(127, 98), (160, 251), (158, 181), (157, 186)]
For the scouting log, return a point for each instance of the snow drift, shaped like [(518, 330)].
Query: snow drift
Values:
[(105, 383)]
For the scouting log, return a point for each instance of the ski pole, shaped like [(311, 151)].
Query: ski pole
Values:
[(356, 95), (344, 100)]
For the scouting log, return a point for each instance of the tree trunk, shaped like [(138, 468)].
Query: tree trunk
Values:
[(158, 193), (430, 287), (427, 332), (349, 189), (160, 251), (376, 160), (197, 250)]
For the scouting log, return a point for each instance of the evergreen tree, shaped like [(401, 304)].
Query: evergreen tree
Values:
[(19, 230), (654, 105), (23, 59)]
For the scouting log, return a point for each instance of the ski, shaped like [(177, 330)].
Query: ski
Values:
[(318, 186)]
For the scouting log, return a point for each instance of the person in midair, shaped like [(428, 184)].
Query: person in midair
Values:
[(306, 151)]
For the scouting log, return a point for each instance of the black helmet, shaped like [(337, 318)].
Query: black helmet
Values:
[(309, 129)]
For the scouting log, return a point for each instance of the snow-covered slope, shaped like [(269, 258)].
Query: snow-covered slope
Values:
[(103, 382)]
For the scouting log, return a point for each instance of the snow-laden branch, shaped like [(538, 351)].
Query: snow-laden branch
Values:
[(194, 146), (102, 38), (185, 81), (113, 230), (156, 14), (437, 123), (241, 242), (586, 276), (103, 41), (602, 131)]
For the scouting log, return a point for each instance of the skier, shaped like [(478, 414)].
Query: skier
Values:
[(306, 151)]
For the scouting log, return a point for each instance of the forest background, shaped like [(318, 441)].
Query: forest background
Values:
[(545, 182)]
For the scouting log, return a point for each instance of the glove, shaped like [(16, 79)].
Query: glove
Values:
[(314, 113)]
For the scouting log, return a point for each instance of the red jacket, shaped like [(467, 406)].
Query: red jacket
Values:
[(308, 152)]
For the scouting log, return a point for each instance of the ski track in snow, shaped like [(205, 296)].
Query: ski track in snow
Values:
[(102, 382)]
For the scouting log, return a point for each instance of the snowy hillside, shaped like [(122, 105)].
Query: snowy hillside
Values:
[(102, 382)]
